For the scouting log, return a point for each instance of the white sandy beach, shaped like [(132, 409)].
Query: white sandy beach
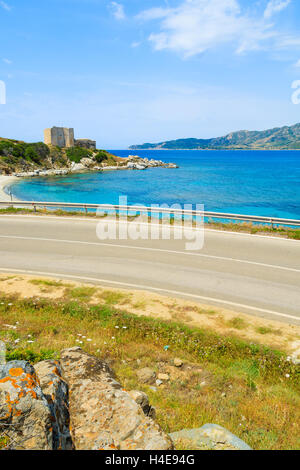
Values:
[(5, 181)]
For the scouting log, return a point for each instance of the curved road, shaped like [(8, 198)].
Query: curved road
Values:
[(245, 273)]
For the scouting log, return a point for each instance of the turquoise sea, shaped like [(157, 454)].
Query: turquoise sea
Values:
[(246, 182)]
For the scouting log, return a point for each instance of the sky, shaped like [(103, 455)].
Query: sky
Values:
[(133, 71)]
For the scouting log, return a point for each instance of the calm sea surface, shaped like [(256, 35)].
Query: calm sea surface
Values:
[(246, 182)]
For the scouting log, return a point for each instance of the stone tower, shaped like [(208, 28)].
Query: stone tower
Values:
[(59, 136)]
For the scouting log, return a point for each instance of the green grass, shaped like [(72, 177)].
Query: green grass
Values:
[(237, 323), (31, 356), (80, 293), (201, 344), (288, 232), (250, 389), (114, 297), (47, 283), (264, 330)]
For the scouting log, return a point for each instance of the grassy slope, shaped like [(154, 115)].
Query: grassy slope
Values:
[(250, 389)]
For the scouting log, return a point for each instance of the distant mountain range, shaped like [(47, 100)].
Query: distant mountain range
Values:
[(279, 138)]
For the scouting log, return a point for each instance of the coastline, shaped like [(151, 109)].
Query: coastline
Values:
[(133, 163), (4, 182)]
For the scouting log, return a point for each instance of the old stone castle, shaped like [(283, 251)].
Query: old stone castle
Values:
[(64, 137)]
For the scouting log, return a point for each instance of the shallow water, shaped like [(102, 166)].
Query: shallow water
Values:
[(246, 182)]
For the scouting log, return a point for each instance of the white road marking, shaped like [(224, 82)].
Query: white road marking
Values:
[(81, 219), (155, 289), (187, 253)]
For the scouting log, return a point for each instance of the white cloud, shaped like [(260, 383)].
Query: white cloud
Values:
[(7, 61), (135, 44), (275, 6), (196, 26), (297, 64), (5, 6), (118, 10), (285, 42), (154, 13)]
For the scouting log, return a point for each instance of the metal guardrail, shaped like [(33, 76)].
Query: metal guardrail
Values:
[(153, 210)]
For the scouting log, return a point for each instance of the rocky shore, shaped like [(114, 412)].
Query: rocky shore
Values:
[(133, 162)]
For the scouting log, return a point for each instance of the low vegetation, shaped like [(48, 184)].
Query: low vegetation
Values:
[(18, 156), (289, 232), (15, 154), (75, 154), (250, 389)]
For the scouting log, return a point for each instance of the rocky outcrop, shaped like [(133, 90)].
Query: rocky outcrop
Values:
[(56, 392), (89, 164), (134, 162), (39, 159), (75, 403), (103, 415), (143, 401), (26, 419)]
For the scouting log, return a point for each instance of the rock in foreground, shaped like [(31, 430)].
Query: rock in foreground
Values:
[(76, 403), (210, 436), (26, 419), (103, 416), (73, 404)]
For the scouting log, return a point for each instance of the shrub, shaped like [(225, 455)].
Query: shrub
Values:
[(11, 152), (31, 155), (6, 148), (101, 156), (41, 149), (75, 154)]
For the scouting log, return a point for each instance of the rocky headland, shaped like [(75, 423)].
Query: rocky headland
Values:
[(21, 159), (89, 164), (279, 138)]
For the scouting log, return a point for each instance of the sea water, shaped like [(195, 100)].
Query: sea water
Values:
[(263, 183)]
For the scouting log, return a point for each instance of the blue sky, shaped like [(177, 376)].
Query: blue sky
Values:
[(134, 71)]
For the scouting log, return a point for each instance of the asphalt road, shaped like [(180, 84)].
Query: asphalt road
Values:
[(252, 274)]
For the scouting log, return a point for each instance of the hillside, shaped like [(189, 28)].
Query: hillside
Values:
[(191, 373), (280, 138), (19, 156)]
